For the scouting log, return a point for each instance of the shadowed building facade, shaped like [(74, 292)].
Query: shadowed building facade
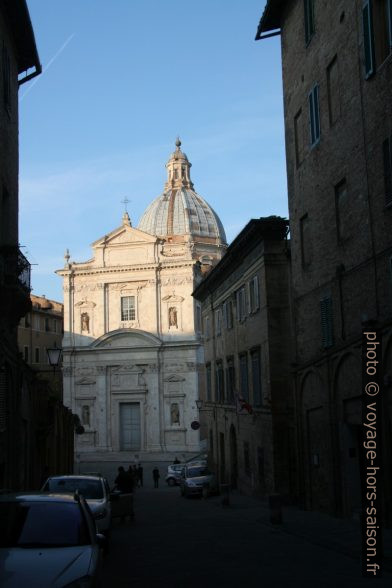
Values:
[(132, 329), (337, 81)]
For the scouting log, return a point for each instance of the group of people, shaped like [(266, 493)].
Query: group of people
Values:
[(126, 481)]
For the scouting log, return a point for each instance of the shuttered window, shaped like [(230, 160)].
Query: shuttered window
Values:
[(368, 37), (219, 395), (230, 380), (326, 322), (309, 20), (387, 156), (244, 377), (254, 301), (256, 377)]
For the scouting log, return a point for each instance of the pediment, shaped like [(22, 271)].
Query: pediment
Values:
[(173, 298), (85, 381), (124, 235), (127, 338)]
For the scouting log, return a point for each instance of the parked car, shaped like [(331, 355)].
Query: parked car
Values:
[(174, 474), (48, 540), (197, 479), (96, 491)]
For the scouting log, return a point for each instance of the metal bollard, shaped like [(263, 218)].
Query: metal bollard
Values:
[(275, 505)]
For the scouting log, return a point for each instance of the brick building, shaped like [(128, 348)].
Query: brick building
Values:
[(337, 82), (247, 409)]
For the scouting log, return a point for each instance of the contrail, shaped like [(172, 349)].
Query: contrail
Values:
[(45, 69)]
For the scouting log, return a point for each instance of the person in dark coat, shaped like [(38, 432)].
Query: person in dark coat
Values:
[(140, 475), (123, 481), (156, 475), (131, 474)]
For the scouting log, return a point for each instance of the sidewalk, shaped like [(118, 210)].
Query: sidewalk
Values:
[(340, 535)]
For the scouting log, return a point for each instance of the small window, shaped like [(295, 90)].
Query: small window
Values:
[(219, 392), (343, 211), (254, 301), (26, 353), (36, 355), (128, 312), (314, 115), (218, 321), (256, 377), (37, 322), (241, 303), (333, 91), (47, 324), (299, 138), (326, 322), (309, 20), (244, 377), (207, 327), (54, 322), (230, 380), (228, 314), (368, 37), (387, 157), (208, 382)]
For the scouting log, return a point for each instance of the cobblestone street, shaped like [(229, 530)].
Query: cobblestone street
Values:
[(194, 542)]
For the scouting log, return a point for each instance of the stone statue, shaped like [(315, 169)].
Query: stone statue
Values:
[(86, 415), (85, 320), (172, 317), (175, 414)]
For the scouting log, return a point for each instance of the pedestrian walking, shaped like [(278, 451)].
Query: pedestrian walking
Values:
[(140, 474), (156, 475), (123, 481)]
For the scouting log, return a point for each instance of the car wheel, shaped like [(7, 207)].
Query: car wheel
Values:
[(171, 482)]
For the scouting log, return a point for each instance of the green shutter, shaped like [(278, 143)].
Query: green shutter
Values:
[(368, 37)]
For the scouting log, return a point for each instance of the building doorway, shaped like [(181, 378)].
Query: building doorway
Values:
[(233, 458), (129, 426)]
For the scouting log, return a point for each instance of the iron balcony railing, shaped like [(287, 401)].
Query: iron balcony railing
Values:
[(15, 270)]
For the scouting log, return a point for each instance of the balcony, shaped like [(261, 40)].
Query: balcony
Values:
[(15, 272)]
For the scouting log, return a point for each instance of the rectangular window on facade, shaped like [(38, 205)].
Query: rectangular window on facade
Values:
[(230, 380), (326, 322), (343, 211), (309, 20), (254, 301), (382, 29), (314, 115), (26, 353), (54, 326), (218, 321), (299, 138), (387, 157), (6, 63), (368, 37), (36, 355), (219, 392), (37, 322), (47, 325), (256, 377), (208, 382), (247, 467), (227, 309), (244, 391), (306, 241), (241, 303), (128, 311), (207, 327), (333, 91)]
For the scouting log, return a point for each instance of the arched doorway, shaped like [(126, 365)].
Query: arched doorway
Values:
[(233, 458)]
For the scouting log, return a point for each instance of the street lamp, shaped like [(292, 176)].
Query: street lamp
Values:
[(54, 356)]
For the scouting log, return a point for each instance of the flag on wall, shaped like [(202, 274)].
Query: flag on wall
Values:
[(243, 407)]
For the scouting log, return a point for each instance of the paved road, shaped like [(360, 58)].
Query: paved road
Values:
[(184, 543)]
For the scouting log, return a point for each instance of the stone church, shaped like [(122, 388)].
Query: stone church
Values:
[(132, 349)]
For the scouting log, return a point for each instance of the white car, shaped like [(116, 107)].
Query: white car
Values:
[(197, 479), (48, 541), (95, 490)]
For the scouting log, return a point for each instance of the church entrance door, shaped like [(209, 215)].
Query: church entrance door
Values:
[(129, 426)]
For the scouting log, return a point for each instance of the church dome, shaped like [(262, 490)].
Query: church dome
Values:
[(180, 210)]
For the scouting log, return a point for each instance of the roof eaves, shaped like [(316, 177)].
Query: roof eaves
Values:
[(271, 19), (18, 17)]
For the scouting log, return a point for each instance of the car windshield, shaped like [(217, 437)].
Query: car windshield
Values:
[(196, 472), (90, 489), (42, 524)]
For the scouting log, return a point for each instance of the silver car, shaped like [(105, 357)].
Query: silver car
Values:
[(48, 540), (197, 480), (95, 490), (174, 471)]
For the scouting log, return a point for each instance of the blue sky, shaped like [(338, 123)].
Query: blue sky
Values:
[(121, 80)]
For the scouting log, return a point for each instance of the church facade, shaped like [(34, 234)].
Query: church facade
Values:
[(132, 350)]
